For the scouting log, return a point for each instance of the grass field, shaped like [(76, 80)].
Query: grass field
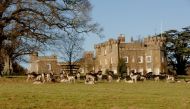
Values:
[(15, 93)]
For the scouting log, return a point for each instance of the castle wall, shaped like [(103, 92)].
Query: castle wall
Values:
[(107, 56), (44, 64), (141, 56)]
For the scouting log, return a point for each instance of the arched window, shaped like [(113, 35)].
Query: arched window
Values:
[(148, 59), (49, 66), (140, 59), (125, 59)]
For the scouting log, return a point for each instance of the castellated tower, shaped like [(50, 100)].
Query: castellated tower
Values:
[(144, 57), (107, 55), (33, 62), (155, 49), (88, 62), (88, 55), (33, 56)]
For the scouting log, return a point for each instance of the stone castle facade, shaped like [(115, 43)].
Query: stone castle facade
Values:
[(43, 64), (47, 64), (140, 56)]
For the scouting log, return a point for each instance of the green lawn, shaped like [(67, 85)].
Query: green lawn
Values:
[(15, 93)]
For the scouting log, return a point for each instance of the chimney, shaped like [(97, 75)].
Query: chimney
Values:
[(121, 38)]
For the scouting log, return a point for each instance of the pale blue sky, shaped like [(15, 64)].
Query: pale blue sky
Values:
[(137, 18)]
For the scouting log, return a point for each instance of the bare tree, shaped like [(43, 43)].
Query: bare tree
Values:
[(70, 49), (30, 25)]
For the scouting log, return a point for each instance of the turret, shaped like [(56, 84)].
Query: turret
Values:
[(33, 56), (88, 55), (121, 38)]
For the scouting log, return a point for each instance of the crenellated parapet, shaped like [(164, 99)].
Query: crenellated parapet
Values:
[(88, 54), (121, 39), (107, 43), (52, 57), (154, 41), (34, 57), (136, 45)]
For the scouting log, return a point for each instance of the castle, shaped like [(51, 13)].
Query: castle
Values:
[(140, 56), (42, 64), (45, 64)]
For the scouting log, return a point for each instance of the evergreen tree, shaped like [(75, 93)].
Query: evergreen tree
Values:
[(122, 69), (177, 49)]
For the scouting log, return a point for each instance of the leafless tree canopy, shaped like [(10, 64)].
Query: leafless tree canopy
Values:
[(71, 50), (29, 25)]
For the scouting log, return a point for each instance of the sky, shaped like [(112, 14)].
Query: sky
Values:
[(137, 18)]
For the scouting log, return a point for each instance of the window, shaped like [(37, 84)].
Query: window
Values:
[(105, 51), (140, 59), (125, 59), (148, 59), (111, 60), (106, 61), (49, 66), (133, 59)]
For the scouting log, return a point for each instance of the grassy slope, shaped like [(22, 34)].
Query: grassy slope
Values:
[(17, 94)]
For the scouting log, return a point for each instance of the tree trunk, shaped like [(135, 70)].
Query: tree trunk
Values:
[(181, 68), (7, 69), (70, 69), (181, 71)]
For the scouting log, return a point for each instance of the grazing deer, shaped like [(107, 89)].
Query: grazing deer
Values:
[(78, 76), (64, 80), (48, 77), (170, 78), (187, 81), (133, 77), (31, 76), (90, 79), (157, 78), (118, 79), (99, 77), (110, 78), (128, 81), (142, 78), (71, 78), (37, 82)]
